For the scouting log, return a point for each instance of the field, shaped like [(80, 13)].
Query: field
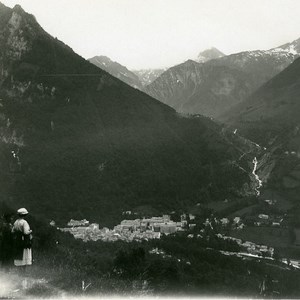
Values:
[(274, 237)]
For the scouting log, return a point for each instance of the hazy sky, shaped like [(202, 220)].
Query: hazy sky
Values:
[(162, 33)]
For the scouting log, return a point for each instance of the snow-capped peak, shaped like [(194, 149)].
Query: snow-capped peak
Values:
[(292, 48)]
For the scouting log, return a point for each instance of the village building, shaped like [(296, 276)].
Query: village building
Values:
[(224, 221), (77, 223), (168, 228), (270, 202), (264, 217), (236, 220), (127, 230)]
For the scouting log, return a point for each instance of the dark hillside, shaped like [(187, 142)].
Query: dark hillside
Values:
[(117, 70), (79, 143), (272, 109), (271, 117)]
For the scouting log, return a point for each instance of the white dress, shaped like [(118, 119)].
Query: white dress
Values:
[(23, 226)]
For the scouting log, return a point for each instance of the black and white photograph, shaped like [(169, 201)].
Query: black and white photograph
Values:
[(149, 149)]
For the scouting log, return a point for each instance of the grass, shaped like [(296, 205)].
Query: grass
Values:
[(244, 211), (219, 206), (274, 237), (233, 208), (281, 202), (290, 252)]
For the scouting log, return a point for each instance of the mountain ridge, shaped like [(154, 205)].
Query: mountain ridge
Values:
[(246, 71), (116, 70), (218, 84), (275, 99), (79, 143)]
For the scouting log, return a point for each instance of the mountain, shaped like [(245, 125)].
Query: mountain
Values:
[(211, 92), (293, 47), (194, 87), (134, 78), (209, 54), (260, 65), (117, 70), (77, 142), (146, 76), (273, 109), (271, 118)]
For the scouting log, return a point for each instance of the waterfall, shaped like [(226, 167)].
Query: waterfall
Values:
[(259, 182)]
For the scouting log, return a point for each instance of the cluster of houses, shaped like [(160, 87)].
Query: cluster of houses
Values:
[(162, 253), (152, 228), (236, 223), (250, 247), (239, 223), (128, 230), (266, 220)]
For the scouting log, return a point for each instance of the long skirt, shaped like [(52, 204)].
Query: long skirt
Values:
[(26, 260)]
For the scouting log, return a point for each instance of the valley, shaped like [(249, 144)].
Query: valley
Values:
[(150, 182)]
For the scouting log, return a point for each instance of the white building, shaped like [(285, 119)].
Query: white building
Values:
[(77, 223)]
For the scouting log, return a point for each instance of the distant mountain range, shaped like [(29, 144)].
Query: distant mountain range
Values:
[(215, 86), (140, 78), (200, 88), (117, 70), (78, 143), (134, 78)]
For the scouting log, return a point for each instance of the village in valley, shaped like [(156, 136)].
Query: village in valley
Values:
[(155, 227), (129, 230), (240, 223)]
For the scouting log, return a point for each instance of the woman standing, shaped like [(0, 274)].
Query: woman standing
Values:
[(22, 241)]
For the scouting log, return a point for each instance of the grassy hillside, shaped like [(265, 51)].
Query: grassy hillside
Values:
[(179, 265)]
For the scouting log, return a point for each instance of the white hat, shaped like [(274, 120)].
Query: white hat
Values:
[(22, 211)]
